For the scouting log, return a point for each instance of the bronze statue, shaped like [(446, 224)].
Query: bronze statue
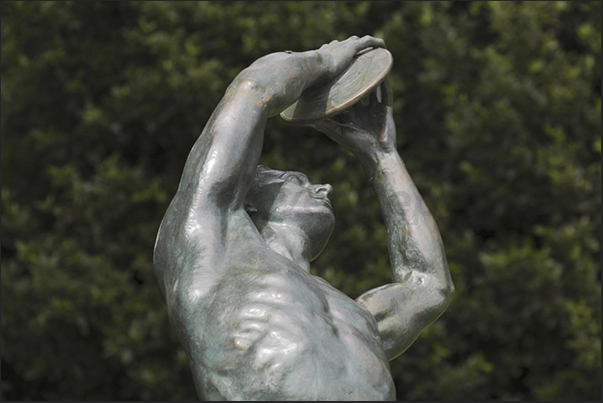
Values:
[(233, 252)]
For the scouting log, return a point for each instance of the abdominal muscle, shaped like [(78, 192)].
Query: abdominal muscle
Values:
[(286, 335)]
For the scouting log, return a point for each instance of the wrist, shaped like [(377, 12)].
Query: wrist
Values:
[(380, 161), (377, 157)]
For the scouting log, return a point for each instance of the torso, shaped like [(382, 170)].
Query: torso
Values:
[(267, 330)]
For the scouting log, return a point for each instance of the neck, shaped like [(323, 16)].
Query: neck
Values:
[(288, 241)]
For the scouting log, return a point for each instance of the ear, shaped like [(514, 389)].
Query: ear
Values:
[(250, 209)]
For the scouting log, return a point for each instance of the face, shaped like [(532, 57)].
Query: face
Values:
[(290, 198)]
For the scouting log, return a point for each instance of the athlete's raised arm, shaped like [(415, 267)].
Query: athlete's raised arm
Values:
[(421, 288)]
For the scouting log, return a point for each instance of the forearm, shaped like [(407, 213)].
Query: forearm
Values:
[(414, 241), (281, 77)]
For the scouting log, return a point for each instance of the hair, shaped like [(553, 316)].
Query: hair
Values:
[(263, 174)]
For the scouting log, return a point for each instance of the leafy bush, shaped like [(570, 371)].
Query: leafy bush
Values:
[(498, 110)]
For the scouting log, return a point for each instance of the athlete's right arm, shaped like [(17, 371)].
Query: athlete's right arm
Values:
[(218, 173), (422, 287)]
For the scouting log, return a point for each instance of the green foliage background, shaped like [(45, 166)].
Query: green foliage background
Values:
[(498, 108)]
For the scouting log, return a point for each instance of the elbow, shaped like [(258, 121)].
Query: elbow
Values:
[(259, 77), (248, 82), (439, 286), (252, 86), (441, 290)]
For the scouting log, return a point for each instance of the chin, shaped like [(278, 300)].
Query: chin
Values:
[(315, 220), (320, 232)]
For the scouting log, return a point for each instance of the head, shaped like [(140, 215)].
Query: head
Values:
[(286, 197)]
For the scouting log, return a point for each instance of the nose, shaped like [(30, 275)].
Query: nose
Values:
[(323, 190)]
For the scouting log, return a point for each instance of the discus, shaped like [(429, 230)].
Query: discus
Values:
[(367, 71)]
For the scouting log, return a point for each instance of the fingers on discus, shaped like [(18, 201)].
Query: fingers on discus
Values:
[(371, 41), (376, 96)]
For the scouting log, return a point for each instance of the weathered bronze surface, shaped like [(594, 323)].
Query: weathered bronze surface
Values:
[(233, 252)]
